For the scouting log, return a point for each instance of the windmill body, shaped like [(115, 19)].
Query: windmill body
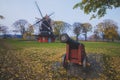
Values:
[(46, 32)]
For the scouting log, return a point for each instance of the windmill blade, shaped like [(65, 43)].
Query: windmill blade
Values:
[(37, 22), (39, 9), (51, 14)]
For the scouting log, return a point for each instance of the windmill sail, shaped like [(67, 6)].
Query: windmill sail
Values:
[(39, 9), (51, 14)]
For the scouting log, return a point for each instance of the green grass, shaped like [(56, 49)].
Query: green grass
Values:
[(25, 43), (109, 48)]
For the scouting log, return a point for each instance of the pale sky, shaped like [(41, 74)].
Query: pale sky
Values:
[(14, 10)]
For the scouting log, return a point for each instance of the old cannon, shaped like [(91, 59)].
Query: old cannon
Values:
[(75, 52)]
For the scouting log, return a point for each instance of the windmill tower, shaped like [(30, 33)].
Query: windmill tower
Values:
[(46, 31)]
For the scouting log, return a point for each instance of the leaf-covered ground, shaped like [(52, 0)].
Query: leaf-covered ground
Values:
[(24, 60)]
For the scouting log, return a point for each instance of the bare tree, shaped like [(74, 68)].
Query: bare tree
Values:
[(20, 24), (3, 30), (77, 29)]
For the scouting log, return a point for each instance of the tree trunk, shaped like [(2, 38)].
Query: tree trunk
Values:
[(4, 36), (85, 36), (112, 39), (77, 37), (103, 36)]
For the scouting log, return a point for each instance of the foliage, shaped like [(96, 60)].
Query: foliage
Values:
[(97, 7), (108, 28), (60, 27), (77, 29), (111, 67), (39, 61), (29, 32), (111, 33)]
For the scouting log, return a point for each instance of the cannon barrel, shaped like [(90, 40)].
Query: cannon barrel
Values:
[(64, 38)]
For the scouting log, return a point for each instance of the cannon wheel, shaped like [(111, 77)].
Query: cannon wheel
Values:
[(65, 63)]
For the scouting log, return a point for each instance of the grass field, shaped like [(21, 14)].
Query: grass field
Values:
[(31, 60), (109, 48)]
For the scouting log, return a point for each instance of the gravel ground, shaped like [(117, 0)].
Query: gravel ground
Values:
[(91, 72)]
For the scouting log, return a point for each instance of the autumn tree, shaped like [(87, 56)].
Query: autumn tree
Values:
[(109, 29), (29, 32), (57, 27), (97, 7), (77, 29), (60, 27), (86, 27)]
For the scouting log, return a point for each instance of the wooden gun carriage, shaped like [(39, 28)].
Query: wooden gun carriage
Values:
[(75, 52)]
